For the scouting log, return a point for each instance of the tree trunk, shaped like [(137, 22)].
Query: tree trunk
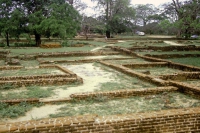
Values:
[(107, 20), (38, 39), (108, 34), (178, 35), (7, 39)]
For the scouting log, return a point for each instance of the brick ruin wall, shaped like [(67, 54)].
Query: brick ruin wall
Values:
[(122, 93), (69, 54), (144, 77), (175, 120), (167, 56), (77, 61), (60, 79), (170, 64), (168, 48), (95, 95)]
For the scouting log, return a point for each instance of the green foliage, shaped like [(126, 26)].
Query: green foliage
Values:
[(63, 21), (65, 43), (49, 18), (14, 111), (36, 92), (7, 86), (28, 44)]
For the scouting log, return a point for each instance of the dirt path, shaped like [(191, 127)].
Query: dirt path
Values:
[(98, 48), (173, 43), (92, 78), (38, 113)]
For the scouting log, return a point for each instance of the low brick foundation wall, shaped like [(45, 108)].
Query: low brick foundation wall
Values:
[(170, 56), (59, 79), (168, 48), (123, 93), (141, 76), (42, 82), (95, 95), (170, 64), (154, 64), (79, 53), (176, 120), (181, 76), (78, 61), (10, 67), (188, 89)]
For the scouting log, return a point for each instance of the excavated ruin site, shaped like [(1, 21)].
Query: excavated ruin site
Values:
[(110, 89)]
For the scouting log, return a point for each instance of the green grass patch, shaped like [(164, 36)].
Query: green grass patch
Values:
[(128, 105), (15, 111), (122, 81), (194, 61), (85, 57), (36, 50), (128, 61), (157, 70), (2, 62), (168, 52), (29, 92), (29, 63), (26, 72)]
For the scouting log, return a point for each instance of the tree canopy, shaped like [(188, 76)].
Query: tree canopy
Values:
[(38, 17)]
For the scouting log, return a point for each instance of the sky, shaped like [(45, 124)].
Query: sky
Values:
[(90, 4), (154, 2)]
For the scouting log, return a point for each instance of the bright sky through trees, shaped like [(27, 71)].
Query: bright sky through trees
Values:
[(90, 4)]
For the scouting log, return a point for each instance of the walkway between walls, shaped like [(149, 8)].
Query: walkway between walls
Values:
[(173, 43)]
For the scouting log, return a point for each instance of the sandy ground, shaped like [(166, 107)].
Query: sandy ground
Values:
[(98, 48), (173, 43), (160, 36), (121, 41), (37, 113), (92, 78)]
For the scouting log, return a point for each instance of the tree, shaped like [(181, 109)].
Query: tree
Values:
[(114, 13), (9, 19), (56, 18), (61, 22), (144, 12), (187, 13), (50, 18)]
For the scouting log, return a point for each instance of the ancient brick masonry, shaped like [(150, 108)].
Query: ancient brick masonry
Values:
[(176, 120), (123, 93), (59, 79), (79, 53), (141, 76), (76, 61), (170, 64), (10, 67)]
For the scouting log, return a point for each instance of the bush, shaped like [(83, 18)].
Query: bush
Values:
[(7, 86), (65, 43), (7, 111), (21, 44)]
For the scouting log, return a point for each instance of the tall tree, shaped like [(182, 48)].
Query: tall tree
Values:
[(143, 12), (187, 16), (113, 12), (61, 22), (38, 17), (6, 24)]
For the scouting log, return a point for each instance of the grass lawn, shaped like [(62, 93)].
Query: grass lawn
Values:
[(27, 72), (168, 52), (103, 106), (194, 61)]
